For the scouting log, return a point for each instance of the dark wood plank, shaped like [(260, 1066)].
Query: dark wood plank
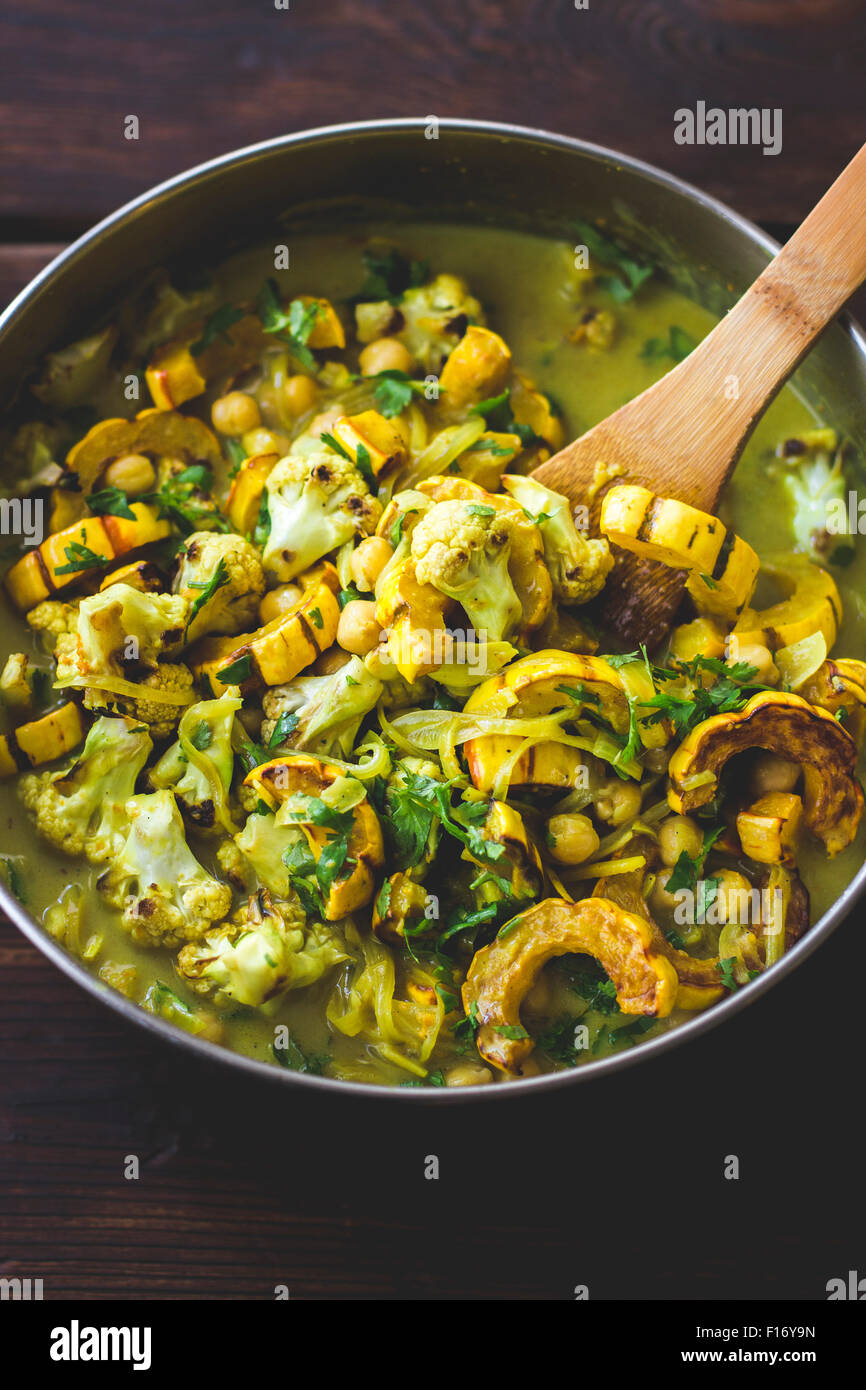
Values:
[(207, 78)]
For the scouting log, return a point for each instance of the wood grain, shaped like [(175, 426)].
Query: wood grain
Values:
[(207, 78)]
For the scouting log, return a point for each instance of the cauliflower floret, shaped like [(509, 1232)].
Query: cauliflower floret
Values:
[(81, 809), (320, 713), (578, 567), (221, 579), (267, 949), (814, 479), (165, 894), (199, 766), (121, 632), (16, 689), (54, 618), (262, 843), (160, 716), (435, 317), (233, 864), (462, 549), (316, 500)]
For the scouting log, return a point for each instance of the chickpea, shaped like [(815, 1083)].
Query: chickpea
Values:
[(773, 774), (733, 897), (368, 561), (299, 395), (235, 414), (330, 661), (261, 441), (759, 656), (574, 838), (618, 802), (385, 355), (278, 601), (358, 630), (676, 834), (468, 1074), (132, 473), (660, 898)]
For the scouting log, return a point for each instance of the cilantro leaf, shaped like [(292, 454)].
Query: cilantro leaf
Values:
[(218, 580), (389, 275), (216, 326), (110, 501), (676, 346), (631, 275)]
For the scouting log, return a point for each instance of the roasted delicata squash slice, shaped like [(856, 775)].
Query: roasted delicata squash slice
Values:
[(502, 973), (813, 605), (414, 616), (769, 828), (143, 575), (519, 860), (286, 784), (840, 684), (42, 740), (79, 552), (162, 433), (476, 369), (400, 904), (723, 569), (245, 497), (787, 725), (537, 685), (175, 374), (383, 441), (700, 985), (281, 649)]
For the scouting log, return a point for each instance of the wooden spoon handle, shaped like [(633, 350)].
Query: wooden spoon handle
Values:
[(718, 392)]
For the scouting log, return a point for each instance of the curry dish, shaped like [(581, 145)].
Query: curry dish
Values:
[(307, 692)]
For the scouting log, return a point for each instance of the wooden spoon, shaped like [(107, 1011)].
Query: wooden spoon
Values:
[(683, 436)]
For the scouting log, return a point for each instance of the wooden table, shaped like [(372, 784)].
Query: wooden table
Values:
[(617, 1185)]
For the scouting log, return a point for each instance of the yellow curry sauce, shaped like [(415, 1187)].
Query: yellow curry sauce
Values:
[(587, 351)]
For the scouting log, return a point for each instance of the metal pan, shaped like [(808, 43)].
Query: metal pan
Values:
[(472, 171)]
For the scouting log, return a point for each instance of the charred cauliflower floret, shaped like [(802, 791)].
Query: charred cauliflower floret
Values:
[(320, 713), (165, 895), (82, 808), (221, 579), (267, 949), (121, 632), (436, 317), (578, 567), (462, 549), (315, 500), (170, 679), (198, 767)]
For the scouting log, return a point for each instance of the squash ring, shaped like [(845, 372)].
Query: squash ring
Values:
[(787, 725)]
